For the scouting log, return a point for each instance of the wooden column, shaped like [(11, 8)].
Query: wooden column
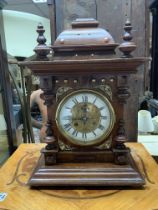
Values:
[(47, 84)]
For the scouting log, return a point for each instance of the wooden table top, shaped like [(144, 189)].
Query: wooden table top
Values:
[(15, 173)]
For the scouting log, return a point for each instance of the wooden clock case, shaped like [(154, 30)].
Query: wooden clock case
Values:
[(84, 57)]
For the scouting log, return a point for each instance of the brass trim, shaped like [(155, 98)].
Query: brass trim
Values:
[(93, 142)]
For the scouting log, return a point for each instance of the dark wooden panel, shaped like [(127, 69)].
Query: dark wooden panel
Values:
[(69, 10), (59, 16), (111, 18)]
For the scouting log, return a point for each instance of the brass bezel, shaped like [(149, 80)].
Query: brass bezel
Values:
[(96, 141)]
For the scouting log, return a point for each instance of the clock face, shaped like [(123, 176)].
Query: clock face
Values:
[(85, 117)]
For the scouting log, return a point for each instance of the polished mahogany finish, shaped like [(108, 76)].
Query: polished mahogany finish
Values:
[(84, 58), (88, 174)]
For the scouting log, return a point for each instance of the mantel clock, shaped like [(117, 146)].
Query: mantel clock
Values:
[(85, 88)]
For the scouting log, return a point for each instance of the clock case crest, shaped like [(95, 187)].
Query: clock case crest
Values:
[(84, 58)]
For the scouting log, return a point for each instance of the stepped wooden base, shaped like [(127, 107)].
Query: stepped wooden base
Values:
[(86, 174)]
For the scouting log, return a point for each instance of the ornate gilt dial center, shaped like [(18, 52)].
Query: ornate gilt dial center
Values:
[(86, 117)]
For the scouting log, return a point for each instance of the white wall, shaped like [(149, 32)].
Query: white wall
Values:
[(20, 32)]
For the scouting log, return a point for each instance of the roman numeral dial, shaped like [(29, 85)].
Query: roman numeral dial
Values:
[(85, 117)]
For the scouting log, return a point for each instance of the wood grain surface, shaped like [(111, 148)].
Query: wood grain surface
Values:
[(15, 173)]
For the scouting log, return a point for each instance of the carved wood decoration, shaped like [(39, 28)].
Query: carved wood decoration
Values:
[(85, 88)]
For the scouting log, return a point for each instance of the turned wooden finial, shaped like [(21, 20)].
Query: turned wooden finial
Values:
[(42, 50), (127, 46)]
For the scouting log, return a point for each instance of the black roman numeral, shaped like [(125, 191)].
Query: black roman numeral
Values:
[(94, 100), (85, 99), (67, 117), (101, 127), (94, 133), (104, 117), (67, 126), (84, 135), (67, 107), (101, 108), (75, 101), (75, 133)]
